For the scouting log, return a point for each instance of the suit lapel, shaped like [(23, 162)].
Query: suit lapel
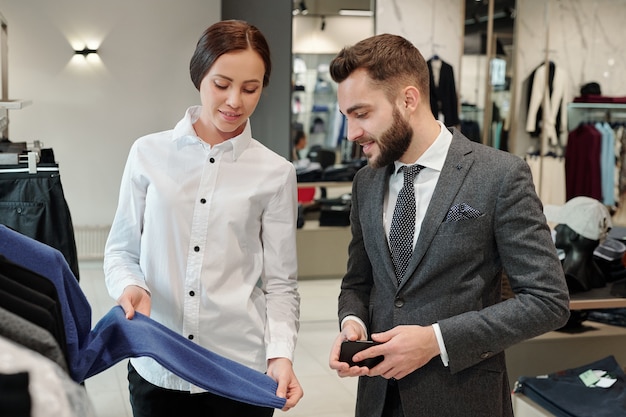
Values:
[(456, 167), (375, 206)]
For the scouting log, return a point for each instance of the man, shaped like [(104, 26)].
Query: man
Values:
[(442, 324)]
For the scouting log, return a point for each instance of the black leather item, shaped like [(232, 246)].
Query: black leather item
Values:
[(350, 348)]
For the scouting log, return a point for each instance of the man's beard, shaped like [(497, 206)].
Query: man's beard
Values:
[(393, 143)]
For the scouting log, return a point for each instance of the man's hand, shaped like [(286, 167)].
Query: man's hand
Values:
[(133, 299), (351, 331), (281, 371), (405, 348)]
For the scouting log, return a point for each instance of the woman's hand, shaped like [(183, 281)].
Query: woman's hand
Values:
[(135, 298), (281, 371)]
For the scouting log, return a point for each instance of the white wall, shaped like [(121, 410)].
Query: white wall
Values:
[(91, 112)]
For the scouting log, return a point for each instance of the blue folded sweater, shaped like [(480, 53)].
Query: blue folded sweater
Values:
[(115, 338)]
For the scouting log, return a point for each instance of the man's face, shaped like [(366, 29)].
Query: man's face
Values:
[(368, 113)]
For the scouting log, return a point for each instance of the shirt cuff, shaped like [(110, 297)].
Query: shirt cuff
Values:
[(442, 346), (358, 320)]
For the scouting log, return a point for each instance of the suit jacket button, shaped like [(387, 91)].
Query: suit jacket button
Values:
[(399, 302), (485, 355)]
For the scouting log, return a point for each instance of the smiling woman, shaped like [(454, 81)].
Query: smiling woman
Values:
[(204, 211)]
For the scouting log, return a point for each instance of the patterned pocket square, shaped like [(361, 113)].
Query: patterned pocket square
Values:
[(462, 211)]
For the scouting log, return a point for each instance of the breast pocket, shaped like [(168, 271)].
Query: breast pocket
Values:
[(479, 225), (465, 240)]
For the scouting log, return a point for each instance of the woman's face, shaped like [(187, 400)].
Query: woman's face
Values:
[(230, 91)]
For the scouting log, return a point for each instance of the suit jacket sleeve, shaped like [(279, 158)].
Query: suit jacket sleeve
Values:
[(522, 244)]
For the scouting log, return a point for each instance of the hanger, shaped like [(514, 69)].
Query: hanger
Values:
[(435, 55)]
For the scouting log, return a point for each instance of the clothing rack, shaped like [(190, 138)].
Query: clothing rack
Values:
[(579, 112), (27, 157)]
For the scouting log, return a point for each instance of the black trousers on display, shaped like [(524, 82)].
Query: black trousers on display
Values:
[(35, 206)]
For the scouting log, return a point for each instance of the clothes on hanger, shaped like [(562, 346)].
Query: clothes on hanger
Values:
[(31, 336), (115, 338), (582, 163), (553, 91), (33, 203), (443, 96), (592, 162), (51, 390)]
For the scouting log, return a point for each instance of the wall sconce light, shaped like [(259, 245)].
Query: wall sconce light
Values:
[(323, 25), (303, 9), (299, 7), (86, 51)]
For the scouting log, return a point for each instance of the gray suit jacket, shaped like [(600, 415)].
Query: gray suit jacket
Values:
[(455, 277)]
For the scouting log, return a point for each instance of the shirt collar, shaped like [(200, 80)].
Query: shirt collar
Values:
[(435, 155), (184, 131)]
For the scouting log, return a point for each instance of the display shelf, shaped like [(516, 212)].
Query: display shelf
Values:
[(596, 298), (525, 407), (15, 104), (322, 250), (558, 350)]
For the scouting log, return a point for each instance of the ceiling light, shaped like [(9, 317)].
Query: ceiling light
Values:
[(352, 12)]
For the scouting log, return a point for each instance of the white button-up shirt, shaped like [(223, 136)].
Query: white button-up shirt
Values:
[(210, 232)]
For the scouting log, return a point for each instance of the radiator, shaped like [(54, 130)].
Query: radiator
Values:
[(90, 241)]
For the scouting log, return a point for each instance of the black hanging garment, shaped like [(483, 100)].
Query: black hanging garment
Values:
[(443, 96), (34, 205)]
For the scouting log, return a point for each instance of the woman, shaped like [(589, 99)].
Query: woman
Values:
[(203, 239)]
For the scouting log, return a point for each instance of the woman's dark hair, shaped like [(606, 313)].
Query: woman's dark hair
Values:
[(224, 37)]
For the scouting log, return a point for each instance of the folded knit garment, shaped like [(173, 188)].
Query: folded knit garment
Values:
[(115, 338)]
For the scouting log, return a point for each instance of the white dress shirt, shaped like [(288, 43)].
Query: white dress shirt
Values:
[(210, 232), (432, 160)]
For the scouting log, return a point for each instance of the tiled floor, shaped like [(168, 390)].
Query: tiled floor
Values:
[(325, 394)]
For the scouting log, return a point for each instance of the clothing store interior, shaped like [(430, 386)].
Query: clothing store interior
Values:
[(542, 79)]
